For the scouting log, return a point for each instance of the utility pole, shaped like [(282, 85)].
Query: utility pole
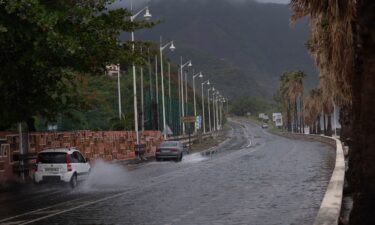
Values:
[(142, 102), (119, 91), (170, 93)]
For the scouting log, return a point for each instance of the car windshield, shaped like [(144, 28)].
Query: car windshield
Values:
[(169, 144), (52, 157)]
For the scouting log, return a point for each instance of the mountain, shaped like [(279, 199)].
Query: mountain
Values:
[(241, 46)]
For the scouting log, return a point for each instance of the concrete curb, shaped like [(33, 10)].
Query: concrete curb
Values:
[(330, 207)]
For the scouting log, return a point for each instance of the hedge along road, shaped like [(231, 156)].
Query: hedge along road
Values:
[(253, 178)]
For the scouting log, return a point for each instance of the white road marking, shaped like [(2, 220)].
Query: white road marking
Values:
[(13, 223), (76, 207), (250, 143)]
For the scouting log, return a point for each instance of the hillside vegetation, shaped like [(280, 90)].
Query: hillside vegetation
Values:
[(242, 47)]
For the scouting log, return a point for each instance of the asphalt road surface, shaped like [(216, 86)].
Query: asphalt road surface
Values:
[(254, 178)]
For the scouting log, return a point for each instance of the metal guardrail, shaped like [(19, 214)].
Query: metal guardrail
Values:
[(185, 139)]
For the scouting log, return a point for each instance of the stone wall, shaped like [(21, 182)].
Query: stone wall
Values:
[(107, 145)]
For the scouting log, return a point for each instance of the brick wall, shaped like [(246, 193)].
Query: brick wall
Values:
[(108, 145)]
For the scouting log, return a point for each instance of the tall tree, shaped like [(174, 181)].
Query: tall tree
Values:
[(291, 89), (45, 46), (343, 46)]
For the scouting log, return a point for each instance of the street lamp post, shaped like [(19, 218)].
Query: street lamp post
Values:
[(157, 92), (172, 48), (217, 109), (179, 100), (186, 95), (221, 112), (203, 119), (189, 64), (147, 16), (214, 107), (119, 91), (142, 101), (170, 93), (209, 108), (199, 75)]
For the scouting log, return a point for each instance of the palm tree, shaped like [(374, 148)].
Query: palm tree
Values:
[(285, 98), (316, 101), (311, 113), (343, 46), (327, 109), (291, 89), (298, 89)]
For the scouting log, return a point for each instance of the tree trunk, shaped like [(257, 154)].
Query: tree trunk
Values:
[(346, 122), (363, 151), (318, 128), (311, 130), (314, 127), (324, 124), (329, 126), (288, 115)]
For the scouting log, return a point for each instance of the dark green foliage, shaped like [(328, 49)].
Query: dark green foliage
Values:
[(45, 47)]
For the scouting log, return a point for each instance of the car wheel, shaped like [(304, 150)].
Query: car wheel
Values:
[(157, 159), (73, 181)]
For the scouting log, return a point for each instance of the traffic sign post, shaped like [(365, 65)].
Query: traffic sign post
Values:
[(198, 122), (188, 119)]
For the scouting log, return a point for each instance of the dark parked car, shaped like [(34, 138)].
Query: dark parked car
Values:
[(171, 150)]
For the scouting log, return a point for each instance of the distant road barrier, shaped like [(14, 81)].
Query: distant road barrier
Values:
[(185, 138)]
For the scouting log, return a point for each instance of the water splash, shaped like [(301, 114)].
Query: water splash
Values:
[(105, 177), (194, 158)]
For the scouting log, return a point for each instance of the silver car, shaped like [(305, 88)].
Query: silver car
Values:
[(171, 150)]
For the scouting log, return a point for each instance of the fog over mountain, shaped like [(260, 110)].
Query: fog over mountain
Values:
[(243, 48)]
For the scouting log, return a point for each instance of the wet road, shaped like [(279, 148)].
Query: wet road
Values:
[(254, 178)]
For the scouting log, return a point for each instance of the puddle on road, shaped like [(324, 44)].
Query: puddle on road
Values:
[(104, 177)]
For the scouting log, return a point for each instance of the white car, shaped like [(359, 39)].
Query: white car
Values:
[(63, 164)]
